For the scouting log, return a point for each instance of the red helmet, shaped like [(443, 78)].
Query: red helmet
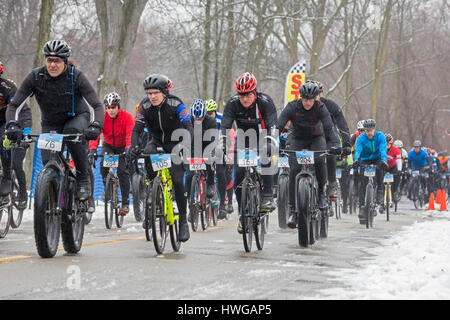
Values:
[(169, 83), (1, 67), (245, 83)]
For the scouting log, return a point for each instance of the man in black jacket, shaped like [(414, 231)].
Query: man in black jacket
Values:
[(13, 161), (341, 129), (311, 129), (163, 113), (59, 90), (252, 111)]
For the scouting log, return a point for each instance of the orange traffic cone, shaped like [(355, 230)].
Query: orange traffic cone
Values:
[(439, 196), (443, 202), (431, 202)]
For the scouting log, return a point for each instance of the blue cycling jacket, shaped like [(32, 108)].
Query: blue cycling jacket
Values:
[(418, 160), (371, 149)]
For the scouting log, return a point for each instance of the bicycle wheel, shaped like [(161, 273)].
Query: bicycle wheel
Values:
[(16, 214), (109, 203), (5, 219), (303, 212), (175, 235), (369, 204), (204, 211), (388, 201), (159, 222), (47, 219), (72, 226), (138, 191), (247, 210), (148, 213), (215, 207), (194, 202), (259, 226), (118, 217)]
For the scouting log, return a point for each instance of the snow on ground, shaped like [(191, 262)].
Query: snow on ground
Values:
[(413, 264)]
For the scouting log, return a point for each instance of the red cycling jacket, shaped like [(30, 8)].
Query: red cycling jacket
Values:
[(117, 131), (392, 155)]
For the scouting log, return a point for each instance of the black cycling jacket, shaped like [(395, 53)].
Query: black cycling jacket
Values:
[(161, 121), (208, 123), (7, 91), (308, 124), (55, 98), (339, 120), (266, 117)]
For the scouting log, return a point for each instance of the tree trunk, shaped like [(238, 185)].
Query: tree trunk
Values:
[(227, 81), (118, 21), (206, 49)]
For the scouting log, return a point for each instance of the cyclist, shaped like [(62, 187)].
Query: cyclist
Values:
[(443, 160), (116, 130), (370, 149), (342, 130), (59, 91), (253, 111), (211, 109), (163, 113), (359, 131), (418, 159), (394, 164), (312, 129), (7, 90), (404, 172), (345, 162), (204, 122), (435, 170)]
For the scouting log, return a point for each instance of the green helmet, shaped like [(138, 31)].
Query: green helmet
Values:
[(211, 105)]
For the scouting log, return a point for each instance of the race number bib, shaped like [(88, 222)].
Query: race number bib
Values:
[(426, 175), (247, 158), (110, 161), (50, 141), (351, 171), (283, 162), (370, 172), (415, 173), (338, 173), (197, 164), (305, 157), (388, 178), (161, 161)]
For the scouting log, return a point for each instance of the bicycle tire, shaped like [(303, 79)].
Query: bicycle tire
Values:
[(16, 220), (369, 204), (175, 235), (283, 200), (303, 212), (72, 226), (247, 207), (194, 202), (148, 213), (259, 226), (204, 211), (47, 221), (138, 192), (388, 201), (215, 208), (5, 220), (118, 217), (109, 207), (159, 221)]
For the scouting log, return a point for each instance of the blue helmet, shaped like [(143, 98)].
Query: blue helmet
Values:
[(198, 109)]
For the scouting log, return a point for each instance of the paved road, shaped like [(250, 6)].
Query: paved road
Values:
[(121, 264)]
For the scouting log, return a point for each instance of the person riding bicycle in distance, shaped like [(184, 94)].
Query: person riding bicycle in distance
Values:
[(418, 159), (371, 148), (116, 130), (311, 129)]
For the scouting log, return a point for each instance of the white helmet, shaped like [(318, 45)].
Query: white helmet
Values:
[(112, 98), (398, 144), (360, 125)]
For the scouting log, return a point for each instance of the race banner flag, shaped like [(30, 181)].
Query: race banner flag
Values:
[(294, 80)]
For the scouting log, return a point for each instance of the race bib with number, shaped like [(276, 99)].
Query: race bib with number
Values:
[(426, 175), (197, 164), (110, 161), (283, 162), (351, 171), (247, 159), (388, 178), (50, 141), (305, 157), (161, 161), (338, 173), (415, 173), (370, 172)]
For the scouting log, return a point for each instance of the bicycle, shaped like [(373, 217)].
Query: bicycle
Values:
[(312, 221), (139, 185), (336, 202), (253, 220), (197, 195), (283, 192), (111, 195), (369, 171), (418, 187), (162, 212), (388, 180), (57, 209), (353, 191)]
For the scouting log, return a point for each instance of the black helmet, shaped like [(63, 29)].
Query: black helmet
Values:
[(389, 138), (157, 81), (370, 124), (417, 143), (320, 86), (57, 48), (309, 90)]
